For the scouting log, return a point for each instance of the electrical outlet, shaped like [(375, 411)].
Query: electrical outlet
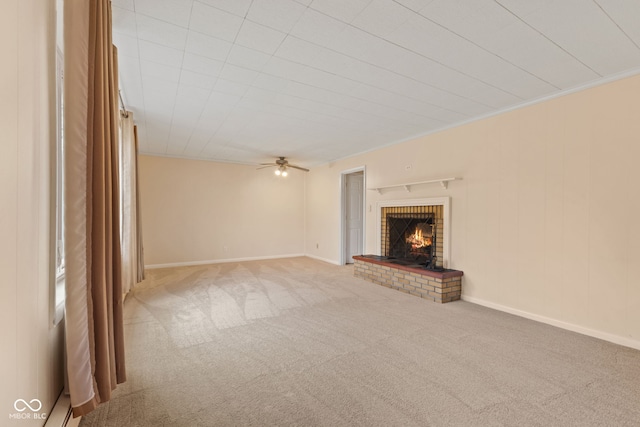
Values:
[(225, 248)]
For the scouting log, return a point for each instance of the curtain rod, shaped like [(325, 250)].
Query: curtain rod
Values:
[(126, 113)]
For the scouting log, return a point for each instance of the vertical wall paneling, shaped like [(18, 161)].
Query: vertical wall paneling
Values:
[(544, 220)]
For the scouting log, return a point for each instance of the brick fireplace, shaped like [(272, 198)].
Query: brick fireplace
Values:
[(432, 212), (413, 248), (438, 286)]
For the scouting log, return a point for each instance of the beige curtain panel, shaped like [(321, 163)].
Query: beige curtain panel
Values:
[(93, 307)]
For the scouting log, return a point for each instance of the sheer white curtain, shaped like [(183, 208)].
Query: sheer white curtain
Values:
[(139, 246), (128, 201)]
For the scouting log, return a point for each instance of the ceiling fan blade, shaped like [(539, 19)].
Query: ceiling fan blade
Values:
[(264, 167), (298, 167), (268, 164)]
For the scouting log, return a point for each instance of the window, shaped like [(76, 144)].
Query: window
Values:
[(59, 291)]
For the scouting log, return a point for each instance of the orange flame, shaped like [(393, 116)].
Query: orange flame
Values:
[(417, 240)]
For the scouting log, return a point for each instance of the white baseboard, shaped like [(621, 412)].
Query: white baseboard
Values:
[(616, 339), (322, 259), (61, 415), (220, 261)]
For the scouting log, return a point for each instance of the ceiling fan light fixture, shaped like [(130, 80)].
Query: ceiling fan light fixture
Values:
[(282, 166)]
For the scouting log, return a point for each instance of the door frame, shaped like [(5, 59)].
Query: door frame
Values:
[(343, 210)]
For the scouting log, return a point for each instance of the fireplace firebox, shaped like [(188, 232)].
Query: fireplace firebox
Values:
[(413, 234)]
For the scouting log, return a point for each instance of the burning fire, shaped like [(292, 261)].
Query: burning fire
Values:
[(418, 240)]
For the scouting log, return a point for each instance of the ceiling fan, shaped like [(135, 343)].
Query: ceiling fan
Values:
[(282, 164)]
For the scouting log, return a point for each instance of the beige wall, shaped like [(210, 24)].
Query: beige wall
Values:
[(545, 222), (198, 211), (31, 355)]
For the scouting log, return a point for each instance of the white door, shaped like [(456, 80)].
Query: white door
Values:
[(354, 215)]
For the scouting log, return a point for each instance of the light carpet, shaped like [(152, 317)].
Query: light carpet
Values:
[(298, 342)]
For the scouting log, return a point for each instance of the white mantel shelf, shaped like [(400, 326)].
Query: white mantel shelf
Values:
[(444, 182)]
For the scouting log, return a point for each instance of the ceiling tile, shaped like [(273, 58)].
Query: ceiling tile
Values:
[(323, 79), (160, 32), (542, 59), (209, 120), (329, 78), (202, 81), (318, 28), (160, 54), (415, 5), (303, 116), (158, 89), (358, 71), (173, 11), (158, 131), (381, 17), (127, 45), (283, 68), (238, 74), (232, 154), (181, 133), (296, 50), (344, 11), (247, 58), (495, 29), (259, 37), (158, 107), (221, 101), (428, 71), (124, 4), (268, 82), (160, 71), (626, 14), (214, 22), (195, 144), (237, 7), (178, 143), (399, 102), (209, 47), (280, 15), (467, 58), (124, 21), (353, 42), (194, 93), (201, 64), (228, 87), (130, 82), (308, 92), (259, 95), (582, 29)]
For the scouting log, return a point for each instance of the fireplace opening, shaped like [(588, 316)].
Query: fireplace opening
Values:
[(411, 237)]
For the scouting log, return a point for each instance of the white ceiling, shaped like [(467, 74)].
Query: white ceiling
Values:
[(317, 80)]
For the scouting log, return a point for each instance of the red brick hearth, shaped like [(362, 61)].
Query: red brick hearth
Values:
[(439, 286)]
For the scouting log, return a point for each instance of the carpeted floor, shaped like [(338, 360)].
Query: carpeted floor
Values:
[(300, 342)]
